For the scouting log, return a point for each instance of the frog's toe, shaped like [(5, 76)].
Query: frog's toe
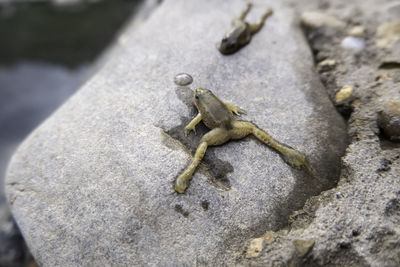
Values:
[(238, 111), (181, 184), (187, 131), (241, 111)]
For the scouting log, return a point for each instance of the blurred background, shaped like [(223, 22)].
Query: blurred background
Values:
[(48, 49)]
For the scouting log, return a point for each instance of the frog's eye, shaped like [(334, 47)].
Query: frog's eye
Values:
[(224, 40), (197, 96)]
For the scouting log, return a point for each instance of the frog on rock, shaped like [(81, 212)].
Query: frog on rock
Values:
[(219, 117), (241, 32)]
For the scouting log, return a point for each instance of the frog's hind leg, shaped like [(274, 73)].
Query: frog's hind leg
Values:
[(243, 15), (215, 137), (256, 27), (291, 156)]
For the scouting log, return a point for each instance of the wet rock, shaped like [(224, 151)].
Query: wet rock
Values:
[(93, 185), (389, 119), (387, 34), (317, 19)]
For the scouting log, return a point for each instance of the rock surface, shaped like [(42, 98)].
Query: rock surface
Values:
[(93, 184)]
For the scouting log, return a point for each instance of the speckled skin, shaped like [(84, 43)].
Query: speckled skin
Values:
[(241, 32), (218, 116)]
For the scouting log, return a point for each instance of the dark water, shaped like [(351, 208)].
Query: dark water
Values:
[(46, 53), (67, 35)]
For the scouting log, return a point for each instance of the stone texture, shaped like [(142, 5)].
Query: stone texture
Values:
[(387, 34), (316, 19), (357, 222), (93, 185), (303, 247), (389, 119)]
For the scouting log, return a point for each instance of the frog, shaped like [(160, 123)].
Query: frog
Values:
[(219, 117), (241, 32)]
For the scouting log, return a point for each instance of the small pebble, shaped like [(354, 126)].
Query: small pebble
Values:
[(384, 165), (387, 34), (345, 93), (389, 119), (353, 43), (303, 247), (255, 248), (326, 65), (183, 79), (315, 19), (357, 31), (269, 237)]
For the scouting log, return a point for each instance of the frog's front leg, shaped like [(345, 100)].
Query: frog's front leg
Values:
[(256, 27), (192, 125), (234, 109), (294, 158), (214, 137)]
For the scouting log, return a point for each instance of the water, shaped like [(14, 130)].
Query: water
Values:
[(30, 91), (46, 53), (183, 79)]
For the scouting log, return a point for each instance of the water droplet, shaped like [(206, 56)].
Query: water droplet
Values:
[(183, 79)]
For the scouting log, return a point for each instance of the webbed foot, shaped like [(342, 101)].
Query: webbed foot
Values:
[(181, 184), (234, 109), (297, 160), (238, 111), (188, 129)]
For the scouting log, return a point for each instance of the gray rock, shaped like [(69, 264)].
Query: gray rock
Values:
[(93, 185), (389, 119)]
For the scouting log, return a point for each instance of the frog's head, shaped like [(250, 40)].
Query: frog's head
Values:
[(201, 95), (228, 45)]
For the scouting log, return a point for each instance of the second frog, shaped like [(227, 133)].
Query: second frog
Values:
[(240, 34)]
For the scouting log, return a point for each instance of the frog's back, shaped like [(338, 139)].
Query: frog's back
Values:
[(214, 112), (241, 32)]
